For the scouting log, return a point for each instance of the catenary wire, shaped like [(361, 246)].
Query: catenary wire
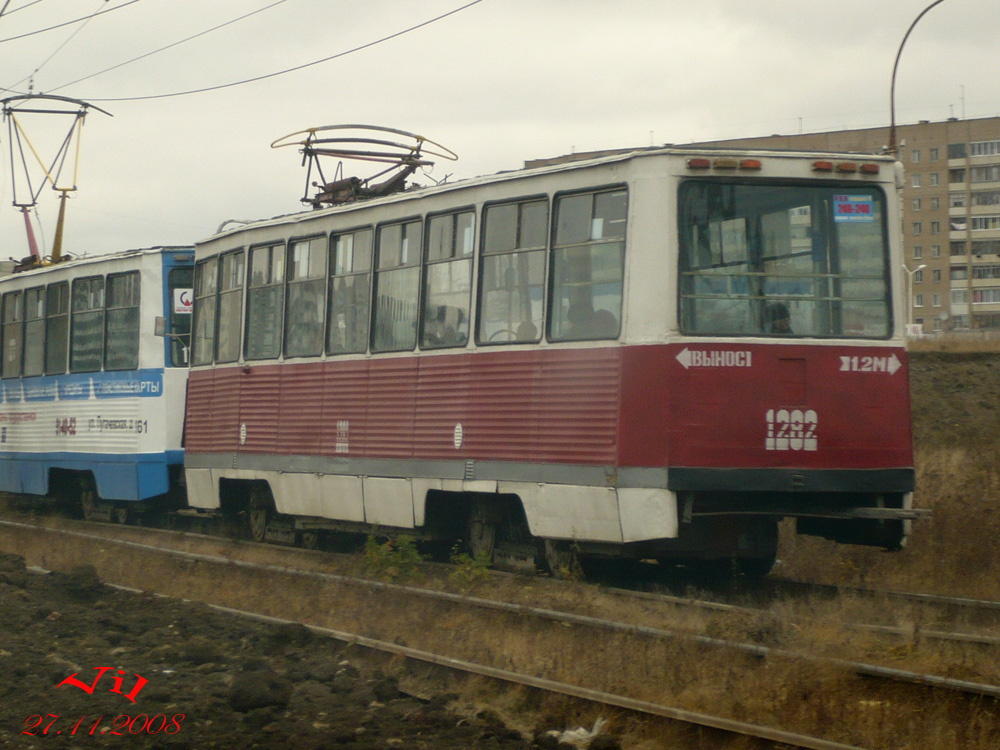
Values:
[(296, 68), (169, 46), (67, 23), (4, 11), (56, 51)]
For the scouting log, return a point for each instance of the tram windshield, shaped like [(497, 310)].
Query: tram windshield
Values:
[(766, 259)]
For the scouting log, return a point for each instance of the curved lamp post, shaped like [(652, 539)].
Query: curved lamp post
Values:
[(892, 89)]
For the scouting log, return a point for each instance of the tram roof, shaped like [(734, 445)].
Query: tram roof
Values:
[(541, 167)]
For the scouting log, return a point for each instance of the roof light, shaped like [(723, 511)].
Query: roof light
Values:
[(725, 163), (699, 164), (869, 168), (847, 166), (823, 166), (750, 164)]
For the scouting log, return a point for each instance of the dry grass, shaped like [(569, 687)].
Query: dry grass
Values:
[(807, 697)]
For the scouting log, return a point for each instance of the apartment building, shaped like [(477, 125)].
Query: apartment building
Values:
[(951, 213)]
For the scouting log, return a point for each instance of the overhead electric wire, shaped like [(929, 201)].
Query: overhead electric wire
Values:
[(290, 70), (55, 52), (4, 10), (67, 23), (169, 46)]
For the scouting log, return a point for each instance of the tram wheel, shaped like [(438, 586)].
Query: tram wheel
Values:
[(310, 539), (561, 559), (261, 511), (120, 515), (482, 539)]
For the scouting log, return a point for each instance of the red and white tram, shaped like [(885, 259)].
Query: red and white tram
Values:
[(657, 354)]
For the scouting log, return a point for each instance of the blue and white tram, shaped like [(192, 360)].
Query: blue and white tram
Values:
[(93, 375)]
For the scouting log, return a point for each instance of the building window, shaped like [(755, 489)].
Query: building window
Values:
[(956, 200), (984, 148), (958, 248), (917, 203), (935, 227), (918, 252), (986, 247), (935, 251), (956, 175), (988, 296), (915, 156), (937, 324), (918, 228), (936, 275), (959, 322), (932, 154), (959, 296), (959, 272), (986, 198), (935, 179), (916, 180), (935, 204), (985, 223), (956, 150), (989, 173), (918, 300), (918, 276)]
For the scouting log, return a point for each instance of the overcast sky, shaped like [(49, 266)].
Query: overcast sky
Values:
[(499, 82)]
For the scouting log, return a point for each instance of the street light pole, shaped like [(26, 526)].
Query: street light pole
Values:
[(909, 290), (892, 88)]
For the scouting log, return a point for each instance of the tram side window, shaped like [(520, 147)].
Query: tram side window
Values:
[(206, 274), (350, 271), (753, 255), (230, 306), (121, 340), (13, 333), (34, 332), (448, 280), (306, 298), (265, 302), (588, 266), (180, 282), (56, 328), (511, 292), (86, 338), (397, 280)]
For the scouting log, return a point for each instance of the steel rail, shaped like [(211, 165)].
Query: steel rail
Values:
[(757, 731), (862, 668)]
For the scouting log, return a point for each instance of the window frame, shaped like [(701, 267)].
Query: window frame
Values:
[(555, 248), (279, 248), (15, 298), (108, 309), (363, 341), (454, 258), (318, 245), (378, 274), (483, 254), (73, 321)]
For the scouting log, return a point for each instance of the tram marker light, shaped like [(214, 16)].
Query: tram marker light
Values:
[(823, 166), (725, 164), (699, 164), (847, 166), (869, 169), (751, 164)]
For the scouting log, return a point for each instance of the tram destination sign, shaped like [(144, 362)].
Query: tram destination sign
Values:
[(714, 358)]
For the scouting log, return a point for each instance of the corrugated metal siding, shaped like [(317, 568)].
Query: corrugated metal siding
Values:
[(555, 405)]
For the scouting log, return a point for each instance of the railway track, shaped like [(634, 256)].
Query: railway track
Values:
[(628, 634)]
